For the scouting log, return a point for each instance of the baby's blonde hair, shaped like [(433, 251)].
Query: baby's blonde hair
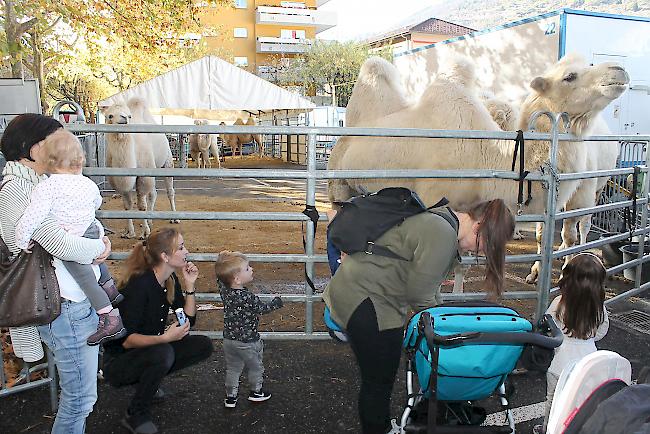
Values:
[(228, 265), (63, 152)]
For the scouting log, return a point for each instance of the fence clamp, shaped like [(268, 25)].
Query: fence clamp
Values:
[(546, 168)]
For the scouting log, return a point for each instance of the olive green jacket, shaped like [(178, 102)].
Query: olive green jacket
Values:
[(431, 245)]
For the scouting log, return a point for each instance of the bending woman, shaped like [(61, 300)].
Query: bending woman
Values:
[(151, 350), (370, 295), (66, 336)]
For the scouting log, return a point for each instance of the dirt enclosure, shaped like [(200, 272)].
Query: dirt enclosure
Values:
[(268, 195)]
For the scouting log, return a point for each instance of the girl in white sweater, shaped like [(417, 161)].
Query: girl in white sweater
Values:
[(581, 315)]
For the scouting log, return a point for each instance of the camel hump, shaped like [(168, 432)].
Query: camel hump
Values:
[(459, 69), (250, 121), (239, 121), (377, 92), (140, 111)]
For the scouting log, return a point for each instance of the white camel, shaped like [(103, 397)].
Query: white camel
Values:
[(201, 145), (504, 114), (137, 151), (571, 85)]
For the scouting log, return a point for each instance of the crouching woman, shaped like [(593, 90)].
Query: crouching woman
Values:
[(151, 350)]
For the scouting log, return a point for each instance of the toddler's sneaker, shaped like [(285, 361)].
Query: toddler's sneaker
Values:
[(110, 327), (230, 402), (114, 295), (259, 396)]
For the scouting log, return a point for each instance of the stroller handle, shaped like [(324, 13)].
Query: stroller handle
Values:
[(434, 339)]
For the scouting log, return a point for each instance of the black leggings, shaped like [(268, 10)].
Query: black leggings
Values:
[(146, 367), (378, 354)]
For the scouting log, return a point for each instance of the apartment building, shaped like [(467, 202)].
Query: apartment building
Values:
[(257, 34)]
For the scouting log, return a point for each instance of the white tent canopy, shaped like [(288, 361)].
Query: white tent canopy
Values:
[(211, 83)]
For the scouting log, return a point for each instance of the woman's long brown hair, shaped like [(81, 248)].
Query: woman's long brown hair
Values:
[(582, 286), (496, 228), (147, 254)]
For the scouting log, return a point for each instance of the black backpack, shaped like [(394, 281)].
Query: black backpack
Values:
[(363, 219)]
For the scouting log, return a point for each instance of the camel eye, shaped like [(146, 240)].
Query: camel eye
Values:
[(570, 77), (110, 116)]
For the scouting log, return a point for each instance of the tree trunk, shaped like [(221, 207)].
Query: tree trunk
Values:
[(39, 67), (13, 40), (14, 32)]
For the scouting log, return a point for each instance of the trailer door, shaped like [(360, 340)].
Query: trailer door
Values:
[(636, 119)]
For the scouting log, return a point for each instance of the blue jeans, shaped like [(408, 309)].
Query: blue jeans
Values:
[(76, 363)]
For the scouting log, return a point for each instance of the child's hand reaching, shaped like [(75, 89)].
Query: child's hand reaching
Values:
[(277, 302)]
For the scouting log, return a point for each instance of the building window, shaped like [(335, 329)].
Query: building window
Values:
[(241, 4), (241, 32), (241, 61), (292, 34)]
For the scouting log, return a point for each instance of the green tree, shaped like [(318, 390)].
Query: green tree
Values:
[(331, 68), (148, 32)]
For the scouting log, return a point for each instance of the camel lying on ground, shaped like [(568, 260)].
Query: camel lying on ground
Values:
[(448, 103), (202, 145), (137, 151)]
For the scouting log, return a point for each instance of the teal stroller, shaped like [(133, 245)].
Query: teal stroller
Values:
[(460, 353)]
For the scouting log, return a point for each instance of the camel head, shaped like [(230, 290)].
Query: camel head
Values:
[(578, 88), (117, 114), (201, 122)]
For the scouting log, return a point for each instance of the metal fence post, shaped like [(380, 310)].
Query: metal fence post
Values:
[(552, 183), (309, 242), (644, 216), (54, 382)]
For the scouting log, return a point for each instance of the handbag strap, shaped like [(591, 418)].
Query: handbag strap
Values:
[(5, 254)]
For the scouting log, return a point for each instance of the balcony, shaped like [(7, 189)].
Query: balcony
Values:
[(322, 20), (282, 45)]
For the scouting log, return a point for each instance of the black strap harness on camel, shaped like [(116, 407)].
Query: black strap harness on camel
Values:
[(629, 214), (519, 148), (311, 212)]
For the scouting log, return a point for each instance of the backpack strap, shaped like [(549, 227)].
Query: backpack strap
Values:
[(442, 202), (449, 216), (376, 249)]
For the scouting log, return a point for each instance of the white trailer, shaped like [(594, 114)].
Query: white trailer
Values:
[(509, 56)]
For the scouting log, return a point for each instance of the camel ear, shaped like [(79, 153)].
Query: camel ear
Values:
[(540, 84), (103, 110)]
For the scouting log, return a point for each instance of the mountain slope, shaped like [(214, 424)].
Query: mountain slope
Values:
[(479, 14)]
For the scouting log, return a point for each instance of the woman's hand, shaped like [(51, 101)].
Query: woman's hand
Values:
[(107, 251), (190, 274), (175, 333)]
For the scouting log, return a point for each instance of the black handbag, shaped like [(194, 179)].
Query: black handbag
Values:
[(29, 290)]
